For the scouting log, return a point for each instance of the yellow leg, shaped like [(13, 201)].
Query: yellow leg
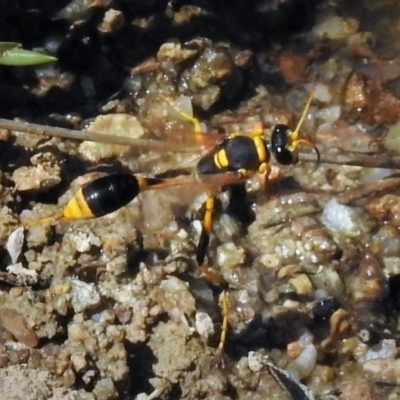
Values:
[(205, 232), (224, 305), (210, 275)]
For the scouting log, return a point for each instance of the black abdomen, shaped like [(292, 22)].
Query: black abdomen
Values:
[(109, 193)]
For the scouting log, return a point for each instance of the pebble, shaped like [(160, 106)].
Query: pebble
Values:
[(78, 332), (204, 324), (84, 295), (384, 350), (14, 244), (302, 285), (14, 323)]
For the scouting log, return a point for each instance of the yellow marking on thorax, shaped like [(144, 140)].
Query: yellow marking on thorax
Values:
[(221, 159), (77, 208), (262, 153)]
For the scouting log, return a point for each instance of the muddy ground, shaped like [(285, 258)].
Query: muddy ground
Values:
[(115, 307)]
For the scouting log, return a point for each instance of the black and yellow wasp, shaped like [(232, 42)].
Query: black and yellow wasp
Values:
[(231, 160)]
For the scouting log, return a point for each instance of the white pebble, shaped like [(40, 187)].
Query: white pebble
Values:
[(173, 284), (321, 294), (376, 174), (84, 295), (305, 339), (322, 93), (229, 255), (306, 360), (339, 218), (204, 324), (182, 234), (84, 241), (19, 270), (384, 350), (14, 244), (329, 114), (197, 225)]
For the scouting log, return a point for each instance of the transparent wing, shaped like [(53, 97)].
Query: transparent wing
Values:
[(83, 135)]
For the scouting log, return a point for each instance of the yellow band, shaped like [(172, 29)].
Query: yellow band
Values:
[(77, 208), (220, 159), (263, 155)]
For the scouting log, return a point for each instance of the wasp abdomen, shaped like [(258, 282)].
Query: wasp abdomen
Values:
[(111, 192)]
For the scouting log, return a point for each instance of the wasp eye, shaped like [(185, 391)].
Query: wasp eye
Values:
[(280, 136), (284, 156)]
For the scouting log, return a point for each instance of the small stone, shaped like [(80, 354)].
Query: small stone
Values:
[(14, 323), (293, 349), (293, 66), (302, 285), (115, 124), (256, 361), (79, 361), (14, 244), (84, 295), (21, 275), (61, 288), (113, 20), (77, 332), (104, 389), (37, 177), (230, 256), (204, 324)]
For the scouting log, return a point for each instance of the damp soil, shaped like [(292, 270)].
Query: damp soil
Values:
[(115, 307)]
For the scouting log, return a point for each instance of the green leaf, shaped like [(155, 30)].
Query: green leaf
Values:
[(11, 54), (4, 46)]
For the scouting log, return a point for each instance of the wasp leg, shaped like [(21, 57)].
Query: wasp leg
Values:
[(210, 275), (224, 306), (205, 232)]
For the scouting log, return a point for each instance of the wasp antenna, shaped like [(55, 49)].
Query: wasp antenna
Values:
[(307, 143), (318, 155), (295, 133)]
